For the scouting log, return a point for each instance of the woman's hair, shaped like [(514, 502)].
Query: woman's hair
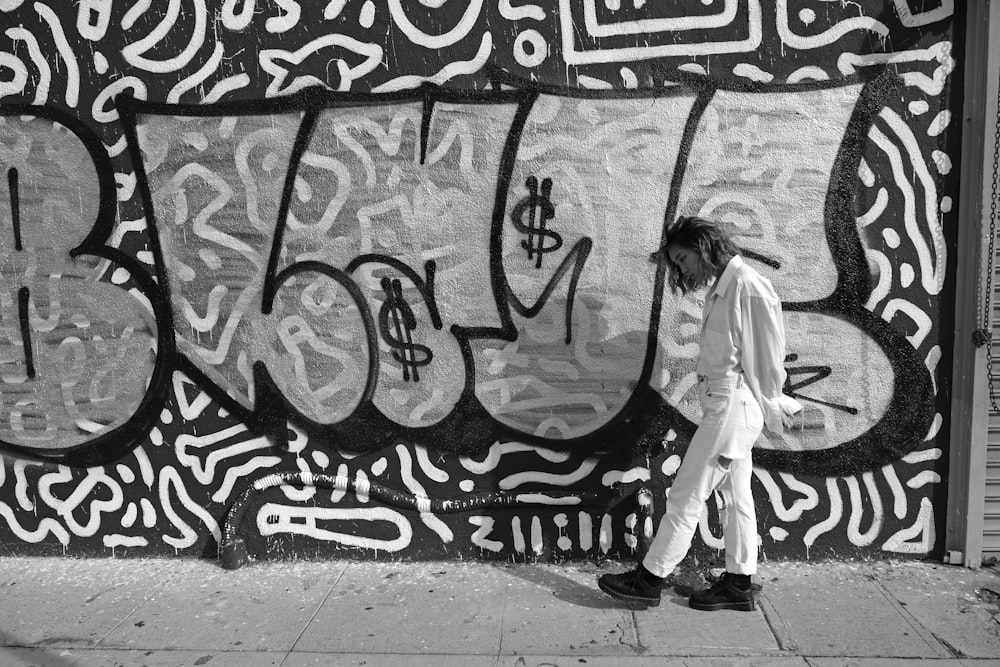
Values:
[(707, 239)]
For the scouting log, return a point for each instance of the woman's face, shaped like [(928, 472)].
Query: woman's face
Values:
[(690, 264)]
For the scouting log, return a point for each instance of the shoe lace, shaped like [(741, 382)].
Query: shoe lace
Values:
[(721, 583), (635, 578)]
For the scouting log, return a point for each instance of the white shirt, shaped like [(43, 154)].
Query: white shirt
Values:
[(743, 332)]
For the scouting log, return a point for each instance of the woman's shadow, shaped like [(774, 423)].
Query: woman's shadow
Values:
[(676, 589)]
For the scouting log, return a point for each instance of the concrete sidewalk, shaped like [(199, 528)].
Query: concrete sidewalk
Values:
[(61, 612)]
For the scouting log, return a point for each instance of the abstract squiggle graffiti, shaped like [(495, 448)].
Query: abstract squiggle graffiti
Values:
[(537, 184)]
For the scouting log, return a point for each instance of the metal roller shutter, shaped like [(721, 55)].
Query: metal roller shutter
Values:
[(991, 514)]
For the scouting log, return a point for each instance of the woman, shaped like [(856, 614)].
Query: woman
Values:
[(740, 378)]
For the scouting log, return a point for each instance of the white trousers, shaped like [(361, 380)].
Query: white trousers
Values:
[(731, 423)]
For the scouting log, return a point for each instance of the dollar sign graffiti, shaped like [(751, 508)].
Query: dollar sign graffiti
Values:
[(398, 332), (539, 209)]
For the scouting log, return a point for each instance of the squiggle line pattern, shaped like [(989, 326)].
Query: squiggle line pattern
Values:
[(110, 443)]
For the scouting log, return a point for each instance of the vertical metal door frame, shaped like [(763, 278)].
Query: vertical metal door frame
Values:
[(970, 395)]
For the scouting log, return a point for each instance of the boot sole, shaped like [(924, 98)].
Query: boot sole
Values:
[(628, 598), (746, 605)]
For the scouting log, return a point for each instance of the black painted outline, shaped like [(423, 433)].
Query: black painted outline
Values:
[(23, 295), (911, 411), (116, 443), (469, 427), (15, 206)]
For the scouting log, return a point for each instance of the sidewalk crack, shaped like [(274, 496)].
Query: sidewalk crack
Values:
[(129, 615), (943, 648), (503, 612), (623, 633), (955, 653), (315, 612), (776, 624)]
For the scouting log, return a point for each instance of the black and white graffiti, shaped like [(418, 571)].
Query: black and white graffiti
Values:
[(375, 277)]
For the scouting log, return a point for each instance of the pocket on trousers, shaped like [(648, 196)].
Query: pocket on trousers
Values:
[(715, 405), (754, 417)]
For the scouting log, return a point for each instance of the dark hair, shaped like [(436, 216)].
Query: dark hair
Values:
[(705, 238)]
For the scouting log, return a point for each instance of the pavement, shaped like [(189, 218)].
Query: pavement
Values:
[(62, 612)]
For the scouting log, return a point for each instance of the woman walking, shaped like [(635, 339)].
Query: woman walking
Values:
[(740, 378)]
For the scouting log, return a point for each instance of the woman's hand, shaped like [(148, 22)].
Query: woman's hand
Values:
[(789, 408)]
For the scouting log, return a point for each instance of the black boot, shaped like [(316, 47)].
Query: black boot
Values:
[(640, 586), (731, 591)]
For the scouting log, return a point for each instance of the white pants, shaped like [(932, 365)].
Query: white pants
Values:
[(731, 423)]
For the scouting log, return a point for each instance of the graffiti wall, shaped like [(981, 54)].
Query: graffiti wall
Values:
[(374, 279)]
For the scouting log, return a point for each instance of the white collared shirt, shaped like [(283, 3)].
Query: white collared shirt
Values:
[(743, 332)]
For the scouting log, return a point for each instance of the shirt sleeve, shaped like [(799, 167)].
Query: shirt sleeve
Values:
[(764, 355)]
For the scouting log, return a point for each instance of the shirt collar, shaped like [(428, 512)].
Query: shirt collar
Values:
[(726, 279)]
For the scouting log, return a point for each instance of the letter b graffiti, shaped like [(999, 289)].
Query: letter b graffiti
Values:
[(80, 376)]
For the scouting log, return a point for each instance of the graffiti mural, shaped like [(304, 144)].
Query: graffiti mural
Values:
[(375, 278)]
